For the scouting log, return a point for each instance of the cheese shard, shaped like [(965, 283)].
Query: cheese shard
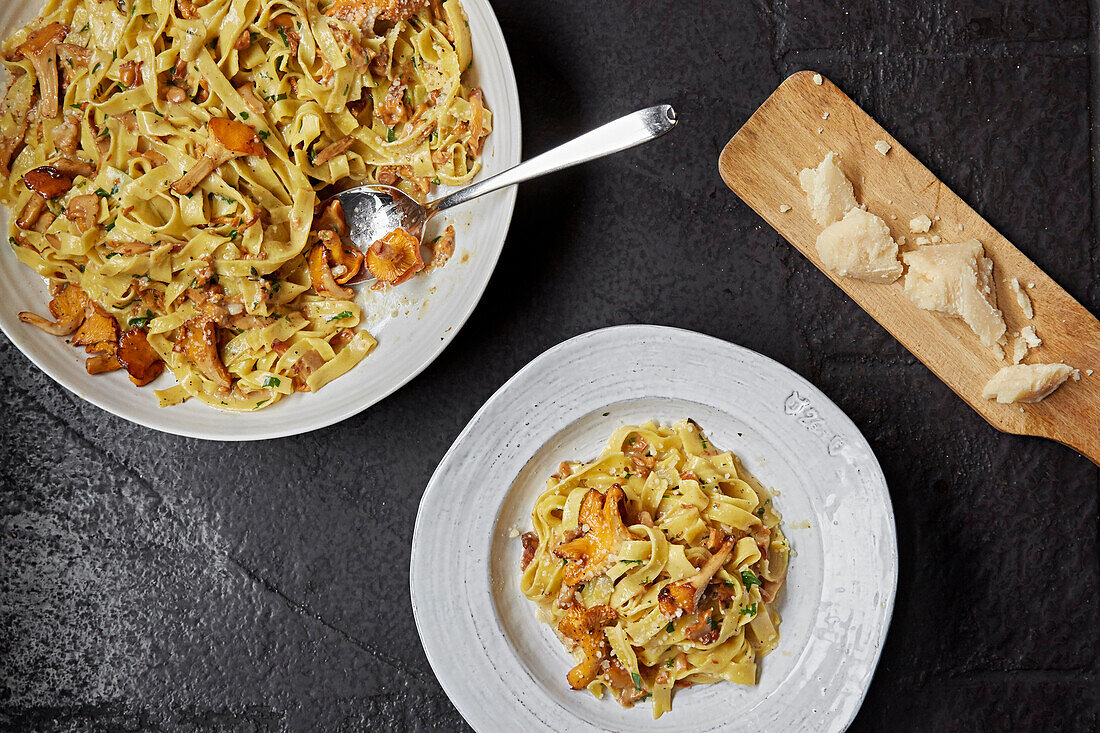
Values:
[(956, 279), (1019, 349), (1026, 382), (1021, 298), (828, 191), (920, 224), (860, 246), (1027, 333)]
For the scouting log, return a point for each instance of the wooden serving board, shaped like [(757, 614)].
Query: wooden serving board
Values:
[(761, 164)]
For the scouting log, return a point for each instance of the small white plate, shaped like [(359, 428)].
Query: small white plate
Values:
[(505, 671), (413, 323)]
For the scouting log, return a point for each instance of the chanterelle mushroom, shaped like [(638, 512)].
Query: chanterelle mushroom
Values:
[(197, 341), (226, 140), (67, 307), (395, 258), (585, 626), (683, 596), (595, 551), (41, 49)]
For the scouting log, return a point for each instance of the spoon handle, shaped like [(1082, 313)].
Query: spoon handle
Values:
[(625, 132)]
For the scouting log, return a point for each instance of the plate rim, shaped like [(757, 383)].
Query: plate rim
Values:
[(433, 487), (287, 426)]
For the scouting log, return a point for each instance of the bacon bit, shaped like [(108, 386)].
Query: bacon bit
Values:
[(443, 248), (66, 136), (129, 74), (683, 596), (341, 338), (254, 103), (30, 213), (40, 49), (286, 23), (175, 95), (701, 630), (395, 258), (585, 627), (565, 470), (153, 156), (308, 363), (530, 547), (770, 588), (129, 121), (332, 150), (594, 552), (360, 58), (187, 9), (387, 175), (636, 448), (619, 680), (98, 327), (197, 341), (393, 111), (477, 121), (566, 595), (9, 144), (280, 347), (47, 181), (74, 168), (243, 41), (67, 307), (644, 518)]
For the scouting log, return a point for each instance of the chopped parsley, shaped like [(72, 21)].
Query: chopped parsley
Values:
[(671, 627), (244, 115), (436, 180), (282, 34), (264, 134), (109, 227), (339, 316), (112, 254), (749, 578), (632, 562), (749, 611), (271, 382), (141, 321), (390, 135), (637, 680), (260, 404)]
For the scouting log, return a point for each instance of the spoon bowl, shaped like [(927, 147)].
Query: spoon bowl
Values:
[(373, 211)]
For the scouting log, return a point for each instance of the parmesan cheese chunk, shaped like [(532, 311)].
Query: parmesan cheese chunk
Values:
[(828, 191), (1021, 298), (920, 224), (860, 246), (956, 279), (1026, 382), (882, 146), (1019, 349), (1027, 333)]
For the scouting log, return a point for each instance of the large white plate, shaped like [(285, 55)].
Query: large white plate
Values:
[(413, 323), (505, 671)]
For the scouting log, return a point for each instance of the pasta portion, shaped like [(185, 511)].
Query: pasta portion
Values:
[(168, 164), (657, 565)]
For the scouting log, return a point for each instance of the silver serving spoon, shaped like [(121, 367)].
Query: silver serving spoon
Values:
[(373, 211)]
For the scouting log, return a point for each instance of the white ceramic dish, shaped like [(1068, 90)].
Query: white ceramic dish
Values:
[(505, 671), (413, 323)]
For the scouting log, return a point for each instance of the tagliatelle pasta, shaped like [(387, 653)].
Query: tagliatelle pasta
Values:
[(657, 564), (165, 162)]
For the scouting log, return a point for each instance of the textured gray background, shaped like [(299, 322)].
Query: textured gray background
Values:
[(149, 581)]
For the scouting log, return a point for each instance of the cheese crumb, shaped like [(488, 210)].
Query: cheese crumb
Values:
[(1088, 372), (920, 224), (936, 239), (829, 193), (1027, 333), (1030, 286), (817, 79), (513, 533), (923, 240), (825, 115), (1021, 298), (882, 146), (1076, 374), (1026, 382), (956, 279), (960, 227), (860, 246), (784, 208), (820, 130), (1019, 350)]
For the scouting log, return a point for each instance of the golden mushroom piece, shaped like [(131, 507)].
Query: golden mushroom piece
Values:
[(595, 551), (226, 140), (585, 627), (41, 49), (683, 597), (395, 258)]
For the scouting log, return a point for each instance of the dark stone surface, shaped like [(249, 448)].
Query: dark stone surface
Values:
[(148, 581)]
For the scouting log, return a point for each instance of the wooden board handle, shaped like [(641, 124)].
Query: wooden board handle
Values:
[(791, 131)]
